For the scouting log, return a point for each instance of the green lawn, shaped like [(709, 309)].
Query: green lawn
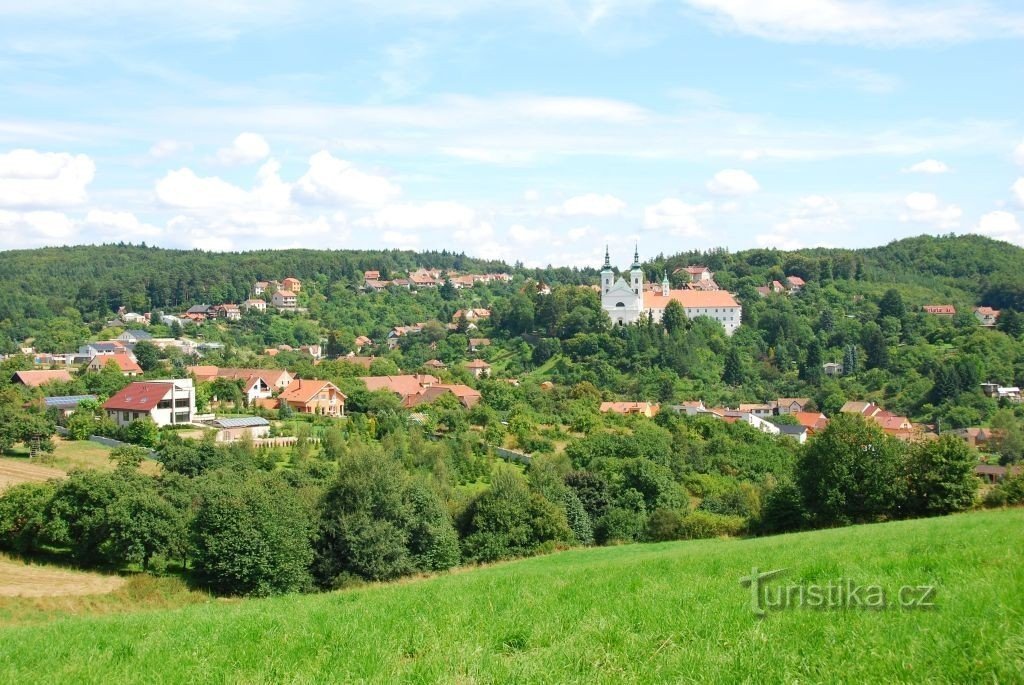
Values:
[(639, 613)]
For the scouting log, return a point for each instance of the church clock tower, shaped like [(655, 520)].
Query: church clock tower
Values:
[(607, 275), (636, 274)]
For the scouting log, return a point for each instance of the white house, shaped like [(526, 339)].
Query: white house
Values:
[(284, 299), (167, 402), (626, 302)]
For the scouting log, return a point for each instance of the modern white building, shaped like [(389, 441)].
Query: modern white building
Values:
[(167, 402), (626, 301)]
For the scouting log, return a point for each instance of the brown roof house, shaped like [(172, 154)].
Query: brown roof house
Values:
[(34, 379), (314, 397), (479, 368), (645, 408), (167, 402)]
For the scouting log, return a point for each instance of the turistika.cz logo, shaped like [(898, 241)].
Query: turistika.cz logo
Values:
[(838, 594)]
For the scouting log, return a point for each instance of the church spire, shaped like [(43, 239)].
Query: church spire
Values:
[(607, 258), (636, 256), (666, 287)]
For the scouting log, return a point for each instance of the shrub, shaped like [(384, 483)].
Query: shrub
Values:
[(664, 525), (23, 516), (783, 510), (703, 524), (252, 537)]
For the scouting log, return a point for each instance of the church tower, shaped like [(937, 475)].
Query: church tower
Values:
[(607, 275), (636, 274), (666, 287)]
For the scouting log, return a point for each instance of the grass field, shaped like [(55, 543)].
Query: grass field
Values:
[(641, 613), (37, 593), (15, 466)]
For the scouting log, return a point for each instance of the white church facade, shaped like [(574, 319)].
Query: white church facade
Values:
[(626, 301)]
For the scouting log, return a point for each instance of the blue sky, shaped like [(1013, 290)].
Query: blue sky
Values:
[(520, 129)]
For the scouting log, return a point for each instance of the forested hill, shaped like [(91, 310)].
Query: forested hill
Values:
[(88, 282)]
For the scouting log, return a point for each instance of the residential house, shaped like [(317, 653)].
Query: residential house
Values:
[(992, 474), (260, 287), (435, 364), (231, 312), (284, 299), (476, 344), (253, 303), (197, 313), (751, 420), (132, 336), (34, 379), (939, 309), (364, 362), (292, 284), (361, 342), (696, 273), (314, 351), (103, 348), (314, 397), (133, 318), (986, 315), (467, 396), (125, 364), (644, 408), (690, 408), (405, 386), (170, 320), (479, 368), (832, 368), (237, 428), (798, 433), (167, 402), (999, 392), (275, 380), (471, 315), (759, 410), (375, 285), (791, 405), (795, 283), (371, 275), (977, 436), (66, 405), (398, 331), (813, 421)]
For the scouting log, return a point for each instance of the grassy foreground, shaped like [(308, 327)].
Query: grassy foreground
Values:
[(640, 613)]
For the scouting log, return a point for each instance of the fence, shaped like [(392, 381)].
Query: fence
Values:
[(281, 442)]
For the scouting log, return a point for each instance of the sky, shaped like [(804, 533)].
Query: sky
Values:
[(525, 130)]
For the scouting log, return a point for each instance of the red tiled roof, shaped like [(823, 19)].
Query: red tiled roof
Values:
[(138, 396), (34, 379), (302, 391), (691, 299)]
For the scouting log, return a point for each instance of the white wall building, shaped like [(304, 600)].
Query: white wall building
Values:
[(626, 302)]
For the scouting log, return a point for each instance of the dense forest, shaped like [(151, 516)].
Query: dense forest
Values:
[(390, 491)]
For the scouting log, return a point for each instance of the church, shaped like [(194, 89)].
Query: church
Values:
[(626, 301)]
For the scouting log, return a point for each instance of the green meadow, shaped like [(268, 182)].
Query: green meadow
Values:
[(673, 612)]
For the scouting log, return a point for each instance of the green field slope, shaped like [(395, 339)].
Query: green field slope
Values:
[(639, 613)]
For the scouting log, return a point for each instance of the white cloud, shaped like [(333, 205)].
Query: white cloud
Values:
[(1018, 154), (25, 229), (1018, 191), (246, 149), (403, 241), (526, 236), (531, 195), (429, 215), (928, 166), (1001, 226), (872, 22), (168, 148), (123, 224), (810, 221), (591, 204), (733, 182), (331, 180), (183, 188), (29, 178), (926, 208), (677, 217)]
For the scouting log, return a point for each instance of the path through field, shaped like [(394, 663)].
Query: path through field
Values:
[(18, 579), (17, 471)]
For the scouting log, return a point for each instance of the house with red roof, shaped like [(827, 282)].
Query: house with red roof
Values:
[(33, 379), (986, 315), (128, 366), (167, 402), (314, 397)]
